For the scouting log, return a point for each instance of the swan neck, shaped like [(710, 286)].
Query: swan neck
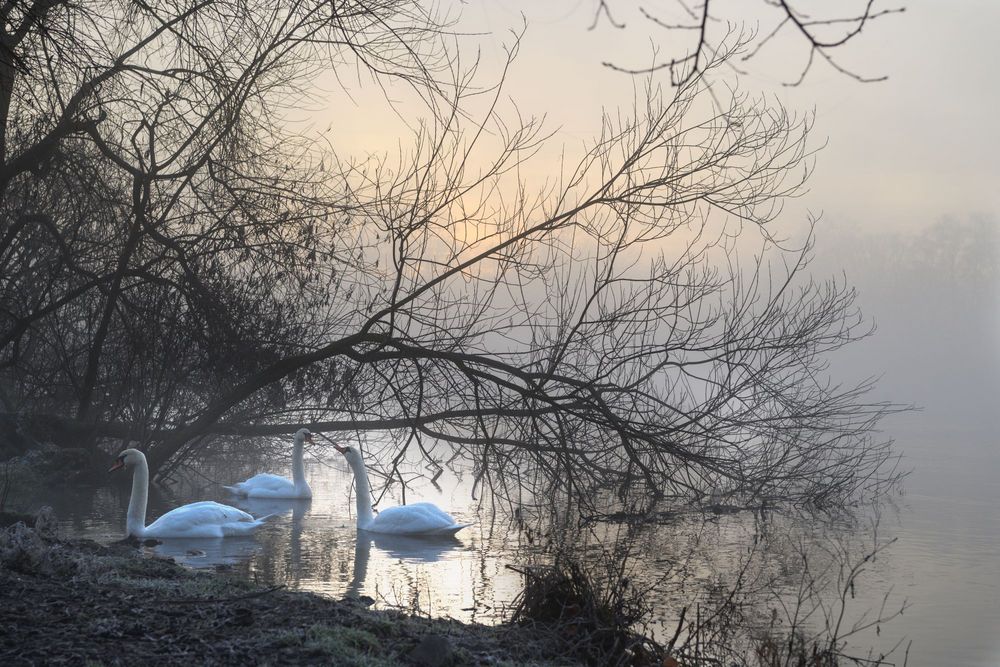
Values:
[(135, 521), (364, 494), (298, 464)]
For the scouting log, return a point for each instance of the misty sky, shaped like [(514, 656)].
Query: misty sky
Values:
[(900, 154), (906, 184), (903, 153)]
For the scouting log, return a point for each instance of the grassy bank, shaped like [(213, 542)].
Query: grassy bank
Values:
[(79, 602)]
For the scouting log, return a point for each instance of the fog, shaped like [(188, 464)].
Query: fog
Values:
[(934, 297)]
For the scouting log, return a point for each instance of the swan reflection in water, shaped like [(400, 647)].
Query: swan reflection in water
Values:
[(426, 549), (205, 553), (263, 507)]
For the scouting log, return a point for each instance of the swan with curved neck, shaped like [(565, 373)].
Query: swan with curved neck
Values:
[(415, 519), (203, 519), (266, 485)]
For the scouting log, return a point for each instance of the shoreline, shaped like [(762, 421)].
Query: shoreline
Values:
[(81, 602)]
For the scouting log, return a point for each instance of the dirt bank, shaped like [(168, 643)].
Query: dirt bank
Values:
[(78, 602)]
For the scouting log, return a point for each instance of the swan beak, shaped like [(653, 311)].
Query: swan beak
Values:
[(119, 464), (309, 437), (342, 450)]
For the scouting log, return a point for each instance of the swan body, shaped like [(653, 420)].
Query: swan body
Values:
[(418, 519), (266, 485), (415, 519), (202, 519)]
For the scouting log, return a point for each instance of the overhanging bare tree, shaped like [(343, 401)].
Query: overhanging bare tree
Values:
[(182, 265), (695, 33)]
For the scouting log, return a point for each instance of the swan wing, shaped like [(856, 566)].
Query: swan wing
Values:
[(203, 519), (415, 519)]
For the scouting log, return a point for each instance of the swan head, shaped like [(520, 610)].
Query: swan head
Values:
[(352, 454), (128, 457), (303, 435)]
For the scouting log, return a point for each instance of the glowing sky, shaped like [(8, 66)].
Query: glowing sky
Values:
[(902, 153)]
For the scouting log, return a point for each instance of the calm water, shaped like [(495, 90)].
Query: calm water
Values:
[(947, 560), (945, 563)]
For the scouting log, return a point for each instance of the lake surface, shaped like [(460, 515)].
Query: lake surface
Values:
[(947, 559), (945, 563)]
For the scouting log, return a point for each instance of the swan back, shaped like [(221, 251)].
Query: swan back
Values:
[(203, 519), (415, 519)]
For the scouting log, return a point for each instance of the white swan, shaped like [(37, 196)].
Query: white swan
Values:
[(415, 519), (204, 519), (266, 485)]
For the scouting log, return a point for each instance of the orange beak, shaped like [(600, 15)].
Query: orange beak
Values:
[(342, 450), (119, 464)]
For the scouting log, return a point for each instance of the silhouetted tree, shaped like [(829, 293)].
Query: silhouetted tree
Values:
[(183, 265)]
